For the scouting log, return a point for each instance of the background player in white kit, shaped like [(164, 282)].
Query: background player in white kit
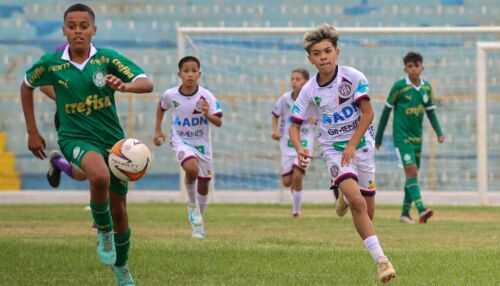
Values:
[(193, 108), (340, 96), (291, 173)]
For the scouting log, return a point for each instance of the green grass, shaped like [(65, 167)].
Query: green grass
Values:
[(250, 245)]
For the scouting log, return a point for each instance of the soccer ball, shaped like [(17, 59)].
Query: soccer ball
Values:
[(129, 159)]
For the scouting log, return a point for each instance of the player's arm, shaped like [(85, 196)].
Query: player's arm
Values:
[(216, 118), (381, 125), (276, 133), (364, 123), (48, 90), (431, 114), (159, 137), (303, 153), (36, 143), (138, 85)]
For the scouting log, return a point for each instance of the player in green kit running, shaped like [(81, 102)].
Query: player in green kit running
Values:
[(410, 97), (85, 79)]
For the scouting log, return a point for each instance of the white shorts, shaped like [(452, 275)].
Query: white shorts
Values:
[(288, 163), (184, 152), (362, 170)]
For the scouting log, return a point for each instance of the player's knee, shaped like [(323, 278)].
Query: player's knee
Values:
[(100, 180), (357, 204), (118, 213), (286, 182)]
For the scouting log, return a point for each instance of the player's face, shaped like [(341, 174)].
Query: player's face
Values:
[(189, 74), (297, 81), (324, 56), (414, 69), (79, 28)]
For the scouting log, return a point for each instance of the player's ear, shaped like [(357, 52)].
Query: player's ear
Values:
[(179, 74), (309, 58)]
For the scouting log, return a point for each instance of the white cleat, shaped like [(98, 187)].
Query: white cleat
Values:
[(198, 232)]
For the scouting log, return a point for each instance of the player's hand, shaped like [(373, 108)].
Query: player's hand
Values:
[(115, 83), (36, 144), (204, 106), (377, 146), (348, 156), (303, 157), (276, 135), (312, 120), (159, 138), (441, 138)]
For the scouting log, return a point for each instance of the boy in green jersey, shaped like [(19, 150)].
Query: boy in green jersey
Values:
[(85, 79), (410, 97)]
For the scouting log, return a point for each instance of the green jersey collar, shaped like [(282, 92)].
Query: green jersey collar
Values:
[(65, 56), (408, 82)]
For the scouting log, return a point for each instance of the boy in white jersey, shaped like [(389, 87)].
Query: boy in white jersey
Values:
[(193, 108), (292, 174), (340, 96)]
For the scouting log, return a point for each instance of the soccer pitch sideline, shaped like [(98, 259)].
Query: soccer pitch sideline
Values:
[(250, 245)]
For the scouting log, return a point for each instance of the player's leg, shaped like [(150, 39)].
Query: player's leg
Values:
[(118, 204), (205, 171), (407, 201), (297, 177), (349, 187), (96, 170)]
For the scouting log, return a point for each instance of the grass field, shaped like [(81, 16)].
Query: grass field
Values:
[(250, 245)]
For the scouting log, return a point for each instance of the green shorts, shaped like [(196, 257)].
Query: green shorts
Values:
[(75, 150), (409, 154)]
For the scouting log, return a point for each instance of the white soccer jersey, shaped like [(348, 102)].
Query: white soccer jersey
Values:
[(189, 126), (282, 109), (336, 102)]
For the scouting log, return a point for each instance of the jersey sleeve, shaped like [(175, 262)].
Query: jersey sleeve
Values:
[(428, 98), (124, 68), (165, 102), (300, 107), (214, 106), (277, 108), (393, 97), (38, 74), (362, 90)]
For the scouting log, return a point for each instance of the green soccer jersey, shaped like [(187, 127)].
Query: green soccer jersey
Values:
[(85, 104), (409, 103)]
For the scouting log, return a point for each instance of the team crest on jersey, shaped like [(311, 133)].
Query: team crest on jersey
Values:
[(197, 108), (345, 90), (426, 97), (99, 79), (334, 170)]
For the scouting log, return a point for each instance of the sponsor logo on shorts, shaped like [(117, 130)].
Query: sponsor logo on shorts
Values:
[(334, 170), (371, 185), (77, 152), (180, 156)]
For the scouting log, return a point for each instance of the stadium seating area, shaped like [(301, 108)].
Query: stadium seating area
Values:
[(146, 32)]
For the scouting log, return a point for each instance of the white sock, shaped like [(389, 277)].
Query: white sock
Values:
[(191, 191), (373, 246), (297, 202), (203, 202)]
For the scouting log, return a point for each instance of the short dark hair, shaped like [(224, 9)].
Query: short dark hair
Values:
[(413, 57), (302, 71), (189, 59), (79, 7)]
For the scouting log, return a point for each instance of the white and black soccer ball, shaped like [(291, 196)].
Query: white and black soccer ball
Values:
[(129, 159)]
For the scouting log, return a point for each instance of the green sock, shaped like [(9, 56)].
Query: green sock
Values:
[(122, 245), (406, 204), (414, 191), (102, 216)]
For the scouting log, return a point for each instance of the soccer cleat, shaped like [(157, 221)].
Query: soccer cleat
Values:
[(198, 232), (425, 215), (54, 174), (340, 206), (194, 213), (386, 272), (106, 247), (296, 215), (406, 219), (123, 276)]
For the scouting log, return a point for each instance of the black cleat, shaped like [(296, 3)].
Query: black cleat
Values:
[(54, 174)]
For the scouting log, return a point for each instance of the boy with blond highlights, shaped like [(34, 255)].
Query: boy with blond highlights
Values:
[(410, 97), (193, 108), (339, 94)]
